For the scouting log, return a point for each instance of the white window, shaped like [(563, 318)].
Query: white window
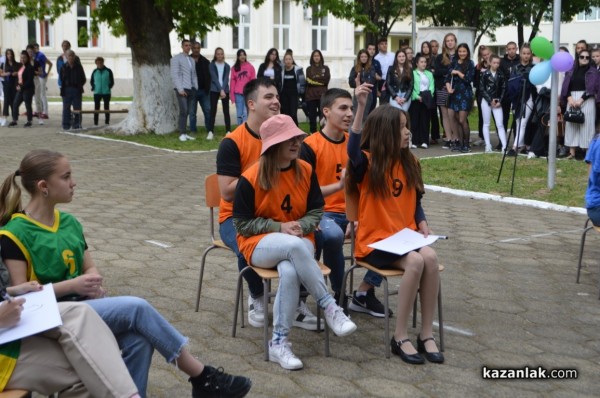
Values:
[(319, 31), (593, 15), (85, 37), (40, 32), (241, 33), (281, 24)]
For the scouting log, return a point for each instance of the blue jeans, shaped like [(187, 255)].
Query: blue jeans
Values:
[(330, 239), (139, 329), (296, 265), (594, 215), (202, 97), (240, 109), (228, 234), (186, 106), (71, 98)]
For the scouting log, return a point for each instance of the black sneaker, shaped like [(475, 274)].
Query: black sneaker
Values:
[(12, 124), (368, 304), (465, 149), (447, 145), (216, 383), (28, 124), (511, 152)]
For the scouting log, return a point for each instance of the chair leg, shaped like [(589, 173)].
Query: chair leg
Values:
[(350, 272), (208, 249), (386, 307), (266, 294), (238, 298), (440, 317), (585, 231)]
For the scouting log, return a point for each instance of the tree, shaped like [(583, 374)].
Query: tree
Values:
[(147, 24)]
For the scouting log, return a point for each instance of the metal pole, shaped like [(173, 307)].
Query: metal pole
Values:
[(414, 26), (554, 98)]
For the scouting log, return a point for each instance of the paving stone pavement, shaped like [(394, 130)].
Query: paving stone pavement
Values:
[(506, 304)]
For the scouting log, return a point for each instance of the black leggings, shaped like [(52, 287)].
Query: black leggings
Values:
[(23, 96), (214, 99), (97, 99), (10, 92)]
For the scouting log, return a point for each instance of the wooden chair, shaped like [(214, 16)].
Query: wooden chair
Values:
[(267, 275), (352, 215), (586, 228), (212, 198), (15, 394)]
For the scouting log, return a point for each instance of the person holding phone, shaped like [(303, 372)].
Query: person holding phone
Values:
[(492, 87)]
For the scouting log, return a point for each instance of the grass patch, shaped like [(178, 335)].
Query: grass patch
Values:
[(171, 141), (479, 173)]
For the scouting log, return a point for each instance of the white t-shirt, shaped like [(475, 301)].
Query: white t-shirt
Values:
[(386, 60)]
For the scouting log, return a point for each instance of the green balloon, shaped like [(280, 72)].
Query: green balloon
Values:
[(541, 47)]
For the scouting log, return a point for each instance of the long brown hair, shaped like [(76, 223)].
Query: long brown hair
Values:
[(406, 74), (37, 165), (382, 137), (268, 167), (359, 66), (445, 51)]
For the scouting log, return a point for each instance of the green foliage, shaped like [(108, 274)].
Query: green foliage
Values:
[(82, 37)]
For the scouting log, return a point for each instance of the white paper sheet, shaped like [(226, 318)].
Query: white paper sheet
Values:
[(404, 241), (40, 313)]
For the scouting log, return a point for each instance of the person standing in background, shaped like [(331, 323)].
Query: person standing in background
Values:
[(317, 80), (41, 100), (73, 79), (241, 73), (102, 82), (203, 91), (185, 83), (386, 59), (219, 88)]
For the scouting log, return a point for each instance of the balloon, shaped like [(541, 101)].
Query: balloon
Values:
[(542, 48), (562, 61), (540, 73)]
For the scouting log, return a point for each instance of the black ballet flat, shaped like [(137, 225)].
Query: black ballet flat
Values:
[(435, 357), (413, 359)]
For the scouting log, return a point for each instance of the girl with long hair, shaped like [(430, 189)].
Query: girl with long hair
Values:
[(241, 73), (41, 243), (292, 87), (317, 81), (422, 104), (399, 81), (219, 87), (9, 71), (523, 99), (581, 90), (492, 88), (25, 90), (362, 72), (441, 71), (389, 182), (277, 207), (459, 86), (271, 68), (483, 64)]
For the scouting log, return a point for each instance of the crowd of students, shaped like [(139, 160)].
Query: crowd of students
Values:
[(24, 80)]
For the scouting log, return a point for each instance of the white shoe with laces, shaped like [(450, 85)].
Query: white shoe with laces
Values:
[(256, 312), (531, 155), (338, 321), (182, 138), (283, 355), (488, 148), (189, 137), (210, 135), (305, 319)]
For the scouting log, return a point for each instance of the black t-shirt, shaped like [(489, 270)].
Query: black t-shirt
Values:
[(289, 81)]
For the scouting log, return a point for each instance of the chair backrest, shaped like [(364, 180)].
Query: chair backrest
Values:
[(212, 198), (212, 194)]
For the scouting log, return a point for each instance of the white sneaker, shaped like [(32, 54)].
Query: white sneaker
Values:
[(305, 319), (40, 121), (210, 136), (2, 122), (531, 155), (338, 321), (229, 132), (183, 137), (424, 146), (488, 148), (412, 146), (189, 137), (282, 354), (256, 312)]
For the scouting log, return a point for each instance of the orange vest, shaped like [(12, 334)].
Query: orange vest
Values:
[(379, 218), (249, 147), (331, 158), (286, 202)]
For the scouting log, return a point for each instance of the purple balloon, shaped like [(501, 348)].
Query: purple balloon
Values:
[(562, 61)]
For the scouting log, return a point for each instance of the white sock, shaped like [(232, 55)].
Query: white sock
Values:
[(360, 294)]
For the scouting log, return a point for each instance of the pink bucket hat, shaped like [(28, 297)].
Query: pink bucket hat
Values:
[(277, 129)]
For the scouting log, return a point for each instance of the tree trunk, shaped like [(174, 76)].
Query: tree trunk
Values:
[(154, 107)]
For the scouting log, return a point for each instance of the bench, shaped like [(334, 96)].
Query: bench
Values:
[(15, 394)]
